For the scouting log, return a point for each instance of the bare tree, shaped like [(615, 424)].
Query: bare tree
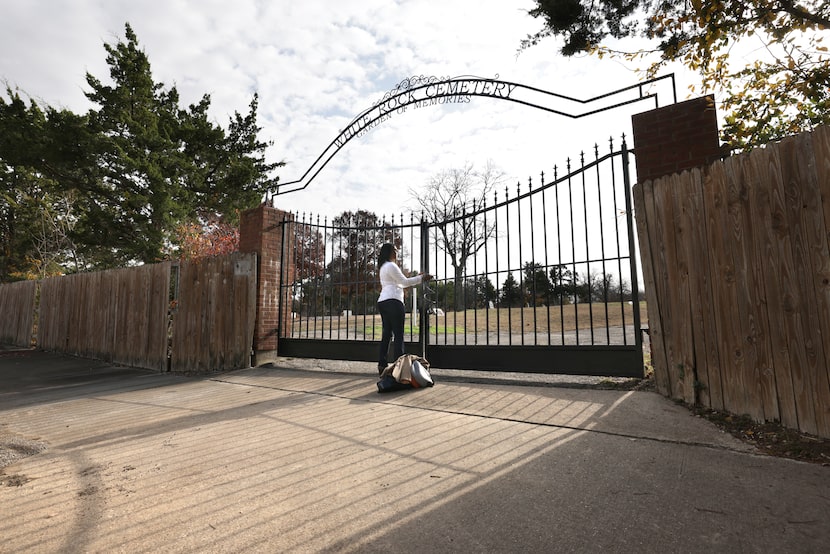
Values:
[(55, 250), (452, 200)]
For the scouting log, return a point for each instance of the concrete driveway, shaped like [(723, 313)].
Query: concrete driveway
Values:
[(278, 459)]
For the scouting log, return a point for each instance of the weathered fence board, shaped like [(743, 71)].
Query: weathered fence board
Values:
[(51, 329), (724, 298), (821, 157), (643, 200), (118, 315), (661, 281), (123, 315), (706, 354), (682, 358), (17, 306), (816, 270), (796, 194), (745, 289), (758, 312), (142, 337), (213, 322), (778, 273), (741, 251)]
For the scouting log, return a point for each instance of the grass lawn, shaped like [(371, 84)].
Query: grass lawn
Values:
[(543, 319)]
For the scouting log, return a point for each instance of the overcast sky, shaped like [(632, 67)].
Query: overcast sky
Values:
[(316, 64)]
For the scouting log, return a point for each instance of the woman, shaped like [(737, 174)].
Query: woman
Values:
[(390, 302)]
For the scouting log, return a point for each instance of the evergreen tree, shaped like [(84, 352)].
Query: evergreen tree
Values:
[(536, 284), (19, 187), (113, 186), (356, 239), (485, 292), (511, 293), (161, 165), (563, 283), (41, 151)]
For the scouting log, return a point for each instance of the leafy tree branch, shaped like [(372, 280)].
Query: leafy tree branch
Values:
[(784, 90)]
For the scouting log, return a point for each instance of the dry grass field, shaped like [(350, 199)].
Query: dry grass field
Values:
[(544, 319)]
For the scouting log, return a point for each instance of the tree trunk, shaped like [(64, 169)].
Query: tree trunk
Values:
[(459, 288)]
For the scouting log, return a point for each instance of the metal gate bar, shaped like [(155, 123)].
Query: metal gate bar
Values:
[(573, 309)]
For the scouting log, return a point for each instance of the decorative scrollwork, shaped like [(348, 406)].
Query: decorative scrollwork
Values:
[(420, 80), (408, 83)]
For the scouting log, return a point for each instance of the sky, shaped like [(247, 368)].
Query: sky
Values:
[(317, 64)]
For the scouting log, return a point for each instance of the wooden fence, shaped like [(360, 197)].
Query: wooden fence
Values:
[(119, 315), (199, 315), (215, 312), (736, 265), (17, 309)]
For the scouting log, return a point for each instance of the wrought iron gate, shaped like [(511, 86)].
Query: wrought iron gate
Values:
[(546, 282)]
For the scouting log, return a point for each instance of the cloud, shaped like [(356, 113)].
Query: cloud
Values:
[(317, 64)]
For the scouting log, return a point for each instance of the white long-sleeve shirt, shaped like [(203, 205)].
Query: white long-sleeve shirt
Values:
[(393, 281)]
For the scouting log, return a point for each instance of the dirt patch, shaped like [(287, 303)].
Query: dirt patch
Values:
[(769, 438), (14, 447), (12, 480)]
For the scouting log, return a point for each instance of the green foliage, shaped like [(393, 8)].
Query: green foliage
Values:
[(39, 150), (511, 292), (485, 292), (784, 90), (349, 281), (356, 239), (563, 284), (135, 168), (474, 293), (444, 294), (537, 285), (309, 251)]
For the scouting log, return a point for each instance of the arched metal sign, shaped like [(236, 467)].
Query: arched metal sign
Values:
[(421, 91)]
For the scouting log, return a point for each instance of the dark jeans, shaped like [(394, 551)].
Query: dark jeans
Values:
[(392, 314)]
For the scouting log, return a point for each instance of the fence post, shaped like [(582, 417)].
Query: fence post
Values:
[(261, 231), (635, 285), (426, 299), (676, 137), (668, 141)]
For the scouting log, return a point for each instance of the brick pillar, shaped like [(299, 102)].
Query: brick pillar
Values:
[(675, 138), (260, 231)]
